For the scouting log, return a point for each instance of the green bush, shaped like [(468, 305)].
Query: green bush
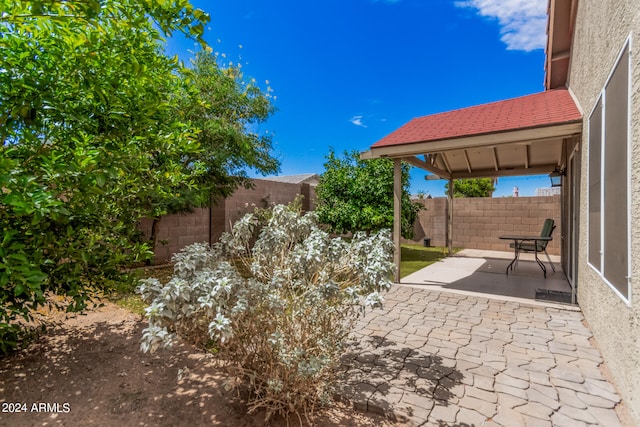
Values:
[(278, 310), (357, 195), (88, 132)]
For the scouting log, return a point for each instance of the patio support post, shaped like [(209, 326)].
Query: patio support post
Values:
[(397, 220), (450, 217)]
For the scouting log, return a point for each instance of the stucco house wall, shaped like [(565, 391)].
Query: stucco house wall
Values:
[(601, 30)]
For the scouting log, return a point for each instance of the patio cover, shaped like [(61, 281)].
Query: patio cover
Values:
[(529, 135)]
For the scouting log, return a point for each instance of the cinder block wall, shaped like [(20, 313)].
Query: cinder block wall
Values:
[(478, 222), (207, 225), (265, 194), (178, 231)]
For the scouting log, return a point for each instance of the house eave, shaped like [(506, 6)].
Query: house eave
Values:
[(560, 26), (516, 136)]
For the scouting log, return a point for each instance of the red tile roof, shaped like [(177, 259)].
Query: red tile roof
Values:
[(547, 108)]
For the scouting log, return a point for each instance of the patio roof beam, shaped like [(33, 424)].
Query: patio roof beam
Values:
[(432, 159), (496, 146), (569, 145), (522, 136), (414, 161), (490, 173), (480, 173), (572, 144), (494, 150), (443, 154), (466, 158)]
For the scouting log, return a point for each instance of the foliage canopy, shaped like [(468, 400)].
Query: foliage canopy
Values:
[(476, 187), (225, 112), (357, 195), (100, 128)]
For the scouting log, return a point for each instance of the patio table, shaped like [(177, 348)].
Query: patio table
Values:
[(517, 243)]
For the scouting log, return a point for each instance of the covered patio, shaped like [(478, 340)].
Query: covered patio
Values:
[(530, 135), (482, 272)]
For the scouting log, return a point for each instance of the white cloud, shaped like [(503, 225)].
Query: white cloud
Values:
[(523, 22), (357, 120)]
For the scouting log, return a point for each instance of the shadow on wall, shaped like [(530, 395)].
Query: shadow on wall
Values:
[(207, 224)]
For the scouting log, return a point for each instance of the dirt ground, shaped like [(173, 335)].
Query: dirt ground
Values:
[(89, 371)]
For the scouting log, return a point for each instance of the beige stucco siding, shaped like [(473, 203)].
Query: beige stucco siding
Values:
[(602, 27)]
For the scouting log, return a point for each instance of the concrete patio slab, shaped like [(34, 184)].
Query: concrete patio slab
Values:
[(484, 272), (436, 358)]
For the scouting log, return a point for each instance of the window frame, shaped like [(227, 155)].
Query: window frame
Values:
[(602, 99)]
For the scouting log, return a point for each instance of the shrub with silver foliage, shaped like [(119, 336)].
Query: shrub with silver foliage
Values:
[(276, 299)]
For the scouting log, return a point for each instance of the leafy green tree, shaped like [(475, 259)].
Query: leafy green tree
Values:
[(85, 115), (476, 187), (226, 111), (357, 195)]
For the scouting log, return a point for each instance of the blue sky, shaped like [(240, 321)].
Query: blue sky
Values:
[(345, 73)]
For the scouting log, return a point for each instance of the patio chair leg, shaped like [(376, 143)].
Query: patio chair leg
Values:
[(541, 264), (550, 262)]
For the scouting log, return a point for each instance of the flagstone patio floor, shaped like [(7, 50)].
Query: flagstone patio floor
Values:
[(436, 358)]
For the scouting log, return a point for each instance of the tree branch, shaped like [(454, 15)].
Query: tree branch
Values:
[(9, 18)]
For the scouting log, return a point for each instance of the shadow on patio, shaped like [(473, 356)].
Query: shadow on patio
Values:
[(483, 272)]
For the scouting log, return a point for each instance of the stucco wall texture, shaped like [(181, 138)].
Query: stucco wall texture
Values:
[(601, 30)]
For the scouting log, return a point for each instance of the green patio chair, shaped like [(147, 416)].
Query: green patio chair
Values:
[(547, 231)]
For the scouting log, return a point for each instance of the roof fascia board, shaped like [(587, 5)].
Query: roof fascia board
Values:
[(487, 140), (366, 155), (560, 55), (551, 5), (555, 24)]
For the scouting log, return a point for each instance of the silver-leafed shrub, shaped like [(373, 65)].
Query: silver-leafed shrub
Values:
[(276, 297)]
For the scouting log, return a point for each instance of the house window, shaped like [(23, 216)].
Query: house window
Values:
[(609, 179), (595, 185)]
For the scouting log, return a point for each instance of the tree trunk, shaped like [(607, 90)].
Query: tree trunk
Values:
[(155, 230)]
